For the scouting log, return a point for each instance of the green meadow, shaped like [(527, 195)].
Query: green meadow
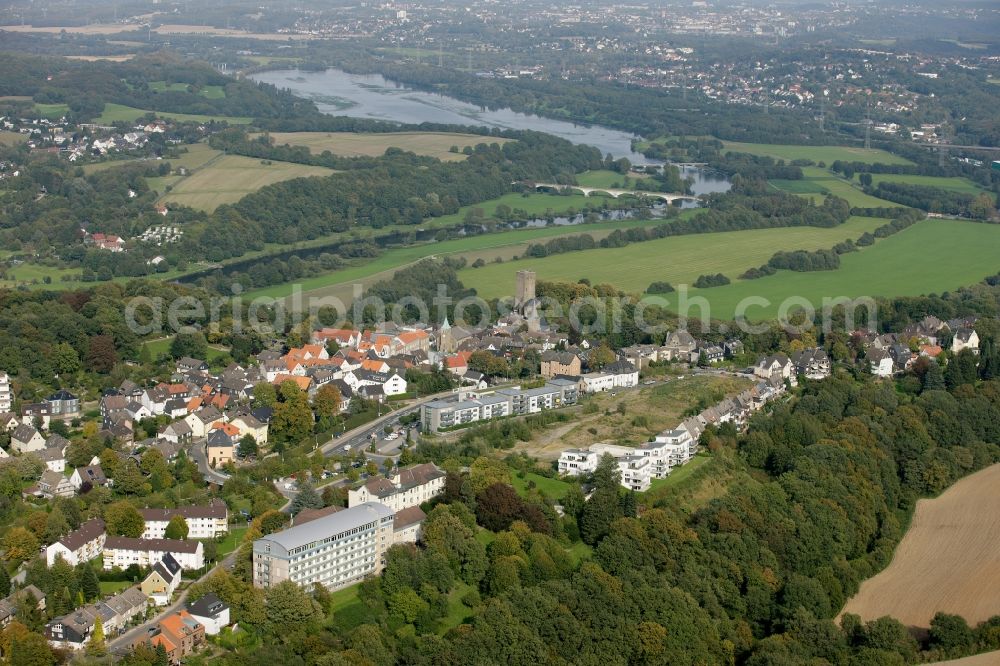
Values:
[(826, 154), (121, 113), (677, 259)]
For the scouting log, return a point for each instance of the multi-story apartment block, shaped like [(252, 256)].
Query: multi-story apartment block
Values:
[(335, 550), (81, 545), (409, 487), (204, 522), (6, 393), (471, 406), (123, 551), (578, 461)]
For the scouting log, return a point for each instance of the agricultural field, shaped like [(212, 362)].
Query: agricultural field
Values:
[(826, 154), (985, 659), (631, 417), (94, 58), (827, 182), (352, 144), (956, 184), (947, 561), (677, 259), (33, 276), (930, 257), (12, 138), (532, 204), (488, 247), (231, 177), (120, 113)]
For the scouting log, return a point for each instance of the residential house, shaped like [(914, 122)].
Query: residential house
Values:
[(81, 545), (965, 338), (813, 363), (619, 374), (560, 363), (247, 424), (407, 488), (36, 413), (576, 462), (677, 346), (54, 453), (55, 484), (777, 366), (179, 634), (178, 432), (222, 444), (162, 581), (18, 598), (26, 439), (188, 364), (880, 362), (63, 404), (211, 612), (201, 421), (92, 474), (123, 551)]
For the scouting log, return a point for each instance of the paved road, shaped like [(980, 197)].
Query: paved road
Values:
[(198, 452), (361, 435)]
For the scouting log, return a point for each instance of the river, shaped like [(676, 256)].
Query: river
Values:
[(373, 96)]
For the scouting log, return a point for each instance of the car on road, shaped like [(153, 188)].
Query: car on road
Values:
[(347, 447)]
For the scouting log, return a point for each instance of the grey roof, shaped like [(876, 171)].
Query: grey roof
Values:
[(208, 606), (23, 433), (335, 523)]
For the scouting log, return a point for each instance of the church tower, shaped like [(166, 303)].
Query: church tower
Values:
[(445, 340)]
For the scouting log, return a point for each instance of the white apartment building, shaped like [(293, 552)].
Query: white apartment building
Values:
[(6, 393), (407, 488), (336, 550), (636, 472), (204, 522), (123, 551), (81, 545), (578, 461)]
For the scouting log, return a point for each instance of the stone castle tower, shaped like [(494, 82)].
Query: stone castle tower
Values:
[(525, 289)]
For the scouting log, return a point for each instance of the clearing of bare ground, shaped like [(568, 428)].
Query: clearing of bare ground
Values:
[(948, 560), (632, 416)]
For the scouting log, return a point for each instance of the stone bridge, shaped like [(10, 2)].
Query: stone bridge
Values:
[(615, 193)]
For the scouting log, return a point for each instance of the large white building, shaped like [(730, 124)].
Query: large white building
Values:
[(620, 374), (204, 522), (638, 465), (81, 545), (123, 551), (469, 406), (6, 394), (336, 550), (409, 487)]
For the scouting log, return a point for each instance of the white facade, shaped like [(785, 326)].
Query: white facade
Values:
[(407, 488), (80, 545), (123, 551), (6, 394), (596, 382), (335, 551), (204, 522), (577, 461)]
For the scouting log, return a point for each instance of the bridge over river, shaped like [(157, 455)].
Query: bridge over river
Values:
[(615, 193)]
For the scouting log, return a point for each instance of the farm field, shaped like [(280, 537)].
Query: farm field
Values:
[(121, 113), (351, 144), (947, 561), (94, 58), (984, 659), (677, 259), (229, 178), (33, 276), (12, 138), (647, 411), (929, 257), (486, 246), (827, 182), (826, 154), (954, 184), (532, 204)]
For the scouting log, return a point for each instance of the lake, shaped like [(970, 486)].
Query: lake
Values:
[(373, 96)]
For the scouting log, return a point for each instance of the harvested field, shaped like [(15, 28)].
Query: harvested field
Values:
[(351, 144), (948, 561), (229, 178)]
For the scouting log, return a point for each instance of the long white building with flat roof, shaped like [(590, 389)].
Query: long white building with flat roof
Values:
[(336, 550)]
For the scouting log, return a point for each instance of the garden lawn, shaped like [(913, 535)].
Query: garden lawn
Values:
[(552, 488), (112, 587), (232, 541)]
